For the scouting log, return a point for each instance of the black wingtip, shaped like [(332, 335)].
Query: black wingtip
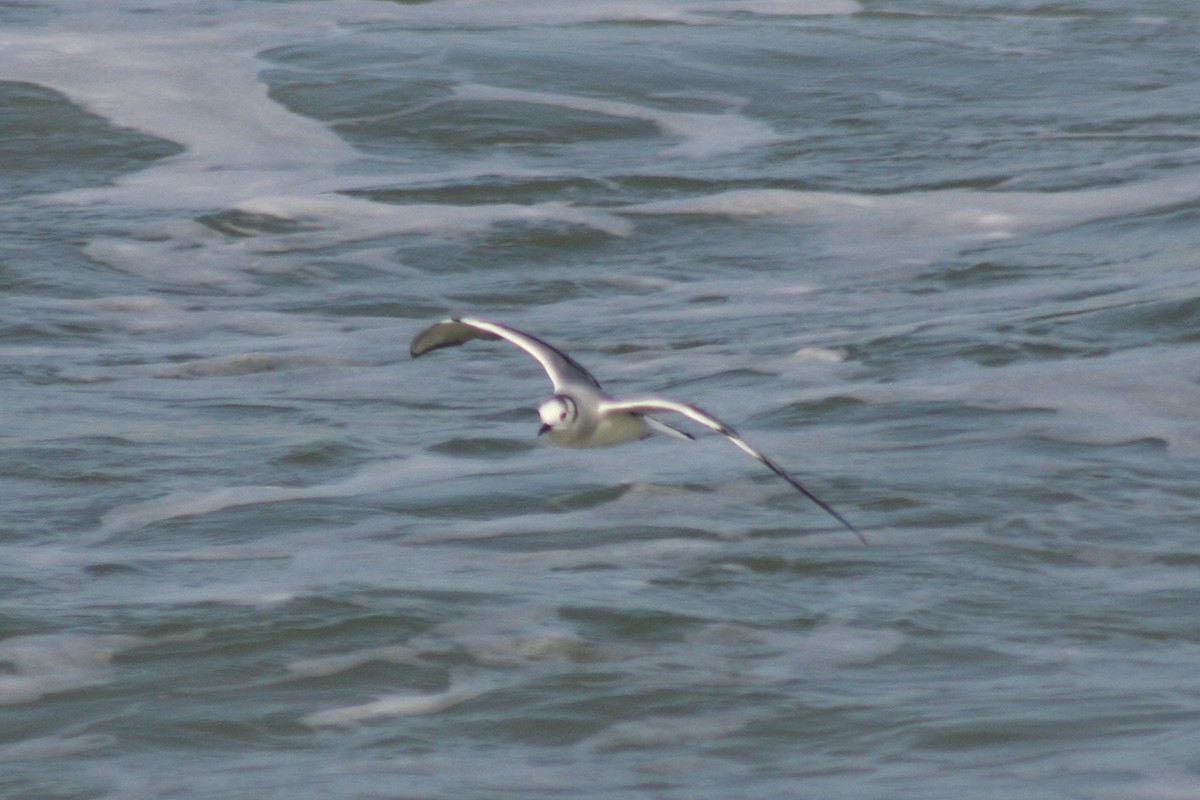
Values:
[(833, 513), (434, 337), (828, 509), (859, 534)]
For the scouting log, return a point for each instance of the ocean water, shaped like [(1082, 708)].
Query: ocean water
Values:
[(937, 258)]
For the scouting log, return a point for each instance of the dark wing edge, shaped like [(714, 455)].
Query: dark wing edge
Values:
[(447, 333), (456, 330)]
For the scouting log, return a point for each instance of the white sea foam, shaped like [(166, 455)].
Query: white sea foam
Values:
[(1138, 395), (528, 13), (343, 218), (1111, 399), (372, 478), (698, 135), (512, 634), (660, 731), (196, 85), (821, 354), (248, 364), (770, 656), (537, 13), (510, 651), (332, 665), (840, 645), (918, 226), (186, 253), (39, 665), (293, 341), (790, 8), (199, 86), (129, 304), (395, 705), (57, 746), (760, 203)]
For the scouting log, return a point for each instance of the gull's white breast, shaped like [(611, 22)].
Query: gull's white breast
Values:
[(607, 430)]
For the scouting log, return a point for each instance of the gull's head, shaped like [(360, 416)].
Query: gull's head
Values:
[(559, 412)]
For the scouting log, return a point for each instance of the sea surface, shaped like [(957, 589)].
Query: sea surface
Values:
[(939, 258)]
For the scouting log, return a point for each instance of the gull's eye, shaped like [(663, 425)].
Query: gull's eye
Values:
[(563, 416)]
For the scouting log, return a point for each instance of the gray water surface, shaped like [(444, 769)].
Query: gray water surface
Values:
[(938, 259)]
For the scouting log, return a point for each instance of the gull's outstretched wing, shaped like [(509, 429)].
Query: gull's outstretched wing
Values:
[(650, 405), (562, 369)]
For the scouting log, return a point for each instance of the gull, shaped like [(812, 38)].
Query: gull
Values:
[(581, 414)]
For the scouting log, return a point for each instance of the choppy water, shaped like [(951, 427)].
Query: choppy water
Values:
[(938, 258)]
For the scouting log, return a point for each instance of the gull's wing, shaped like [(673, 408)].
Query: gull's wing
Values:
[(562, 369), (652, 404)]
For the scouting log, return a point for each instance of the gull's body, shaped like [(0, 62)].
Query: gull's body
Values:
[(580, 413)]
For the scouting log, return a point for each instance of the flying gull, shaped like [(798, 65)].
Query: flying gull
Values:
[(581, 414)]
